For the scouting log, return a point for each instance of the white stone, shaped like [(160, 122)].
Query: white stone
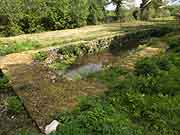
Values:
[(51, 127)]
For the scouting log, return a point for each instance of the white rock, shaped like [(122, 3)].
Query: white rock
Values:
[(51, 127)]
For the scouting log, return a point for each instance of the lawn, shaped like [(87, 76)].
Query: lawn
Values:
[(71, 36)]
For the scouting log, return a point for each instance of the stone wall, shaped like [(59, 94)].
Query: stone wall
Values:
[(114, 42)]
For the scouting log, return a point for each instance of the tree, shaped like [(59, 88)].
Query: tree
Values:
[(96, 11), (118, 4), (152, 8)]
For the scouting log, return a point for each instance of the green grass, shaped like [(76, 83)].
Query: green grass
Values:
[(58, 66), (18, 47), (62, 64), (14, 105), (27, 132), (3, 83), (59, 38)]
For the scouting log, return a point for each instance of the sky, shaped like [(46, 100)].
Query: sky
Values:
[(112, 7), (138, 2)]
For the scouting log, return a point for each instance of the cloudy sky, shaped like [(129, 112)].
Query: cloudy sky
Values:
[(137, 3)]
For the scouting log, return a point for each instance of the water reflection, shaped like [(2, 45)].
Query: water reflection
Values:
[(89, 64)]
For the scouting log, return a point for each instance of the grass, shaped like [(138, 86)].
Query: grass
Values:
[(59, 38), (4, 83), (14, 105), (18, 47)]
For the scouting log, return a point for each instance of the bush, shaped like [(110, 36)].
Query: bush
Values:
[(174, 44), (163, 62), (37, 15), (3, 82), (146, 67), (174, 59), (110, 77), (14, 105), (40, 56)]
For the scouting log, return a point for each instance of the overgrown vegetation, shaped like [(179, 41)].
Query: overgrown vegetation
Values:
[(143, 102), (40, 56), (18, 47), (14, 105), (3, 83)]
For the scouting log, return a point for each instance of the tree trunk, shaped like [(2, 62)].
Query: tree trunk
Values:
[(1, 74)]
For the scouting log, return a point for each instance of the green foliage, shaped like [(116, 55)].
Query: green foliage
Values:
[(62, 64), (14, 105), (18, 47), (163, 62), (175, 59), (174, 44), (3, 82), (40, 56), (151, 9), (143, 102), (26, 132), (96, 11), (58, 66), (110, 76), (174, 10), (146, 67), (37, 15)]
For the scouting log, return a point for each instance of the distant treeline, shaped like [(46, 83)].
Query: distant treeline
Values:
[(28, 16)]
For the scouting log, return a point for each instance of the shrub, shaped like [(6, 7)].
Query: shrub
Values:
[(110, 77), (3, 82), (14, 105), (174, 59), (36, 15), (163, 62), (146, 85), (174, 44), (40, 56), (168, 82), (146, 67), (11, 29)]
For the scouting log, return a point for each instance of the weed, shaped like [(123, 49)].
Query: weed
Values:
[(18, 47), (40, 56), (58, 66), (14, 105), (26, 132), (146, 67), (4, 82)]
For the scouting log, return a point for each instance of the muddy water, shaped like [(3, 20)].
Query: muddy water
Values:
[(88, 64)]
